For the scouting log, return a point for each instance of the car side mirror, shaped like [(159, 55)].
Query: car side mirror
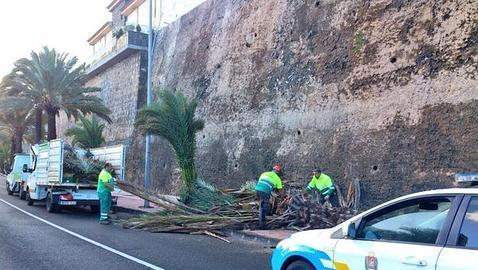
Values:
[(351, 231)]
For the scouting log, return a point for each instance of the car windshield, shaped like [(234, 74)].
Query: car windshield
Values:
[(418, 220)]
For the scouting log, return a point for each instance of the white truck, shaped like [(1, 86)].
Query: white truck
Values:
[(47, 182), (18, 174)]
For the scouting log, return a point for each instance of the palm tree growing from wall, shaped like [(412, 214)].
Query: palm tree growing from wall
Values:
[(54, 82), (172, 118), (88, 133)]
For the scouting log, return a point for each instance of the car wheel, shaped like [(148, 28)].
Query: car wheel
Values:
[(9, 191), (300, 265), (50, 206), (29, 200)]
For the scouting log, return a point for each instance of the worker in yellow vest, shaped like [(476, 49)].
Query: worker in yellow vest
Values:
[(268, 182), (322, 183), (105, 186)]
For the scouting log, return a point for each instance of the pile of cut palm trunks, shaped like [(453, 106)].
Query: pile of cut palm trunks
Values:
[(211, 211)]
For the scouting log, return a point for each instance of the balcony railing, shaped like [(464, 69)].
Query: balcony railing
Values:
[(99, 54), (134, 26), (119, 48)]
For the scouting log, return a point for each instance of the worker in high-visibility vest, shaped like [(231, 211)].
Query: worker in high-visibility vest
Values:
[(105, 186), (268, 182), (322, 183)]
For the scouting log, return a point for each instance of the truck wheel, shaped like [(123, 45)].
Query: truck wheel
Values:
[(95, 209), (22, 194), (50, 206), (300, 265), (29, 200), (9, 191)]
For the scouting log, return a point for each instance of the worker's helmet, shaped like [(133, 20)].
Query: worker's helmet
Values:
[(277, 168)]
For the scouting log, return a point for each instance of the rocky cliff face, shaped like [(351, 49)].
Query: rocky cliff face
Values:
[(385, 91)]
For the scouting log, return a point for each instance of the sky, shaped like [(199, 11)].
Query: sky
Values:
[(61, 24)]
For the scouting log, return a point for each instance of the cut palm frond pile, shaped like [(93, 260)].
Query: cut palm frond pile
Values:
[(301, 212), (205, 196), (80, 167), (214, 210)]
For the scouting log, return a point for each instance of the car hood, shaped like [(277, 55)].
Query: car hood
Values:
[(306, 237)]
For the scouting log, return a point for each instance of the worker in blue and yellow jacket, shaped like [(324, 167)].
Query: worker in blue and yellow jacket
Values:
[(322, 183), (105, 186), (268, 182)]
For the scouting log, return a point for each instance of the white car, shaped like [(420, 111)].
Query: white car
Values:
[(432, 230)]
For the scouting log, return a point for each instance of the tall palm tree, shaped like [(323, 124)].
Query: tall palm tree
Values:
[(88, 133), (172, 117), (4, 155), (55, 82), (15, 123), (16, 94), (14, 120)]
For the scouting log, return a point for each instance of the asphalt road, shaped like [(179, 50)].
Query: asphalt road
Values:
[(29, 243)]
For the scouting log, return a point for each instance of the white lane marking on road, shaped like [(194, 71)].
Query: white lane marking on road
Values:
[(124, 255)]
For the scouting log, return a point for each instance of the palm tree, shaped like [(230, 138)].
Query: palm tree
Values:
[(54, 82), (5, 150), (172, 117), (14, 121), (15, 95), (4, 155), (15, 124), (88, 134)]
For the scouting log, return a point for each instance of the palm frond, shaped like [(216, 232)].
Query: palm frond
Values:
[(88, 133)]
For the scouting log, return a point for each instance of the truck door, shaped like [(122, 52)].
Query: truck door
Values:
[(404, 236), (461, 251)]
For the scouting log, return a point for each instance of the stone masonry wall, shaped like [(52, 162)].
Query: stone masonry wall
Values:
[(116, 17), (385, 91), (122, 89), (381, 90)]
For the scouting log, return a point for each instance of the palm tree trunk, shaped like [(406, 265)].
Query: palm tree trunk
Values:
[(18, 139), (38, 125), (188, 177), (12, 149), (51, 124)]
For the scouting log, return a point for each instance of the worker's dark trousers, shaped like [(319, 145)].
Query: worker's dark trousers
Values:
[(264, 207), (334, 200)]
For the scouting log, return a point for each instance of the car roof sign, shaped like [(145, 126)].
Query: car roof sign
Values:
[(471, 178)]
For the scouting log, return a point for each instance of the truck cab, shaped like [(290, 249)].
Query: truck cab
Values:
[(18, 174)]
